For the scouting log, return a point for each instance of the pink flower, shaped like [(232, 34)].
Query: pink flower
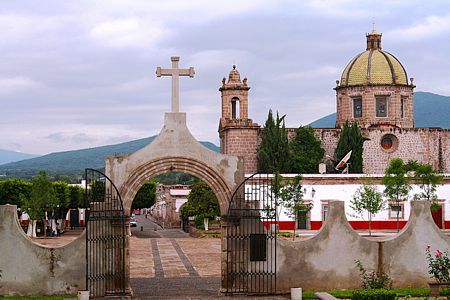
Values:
[(375, 277), (438, 253)]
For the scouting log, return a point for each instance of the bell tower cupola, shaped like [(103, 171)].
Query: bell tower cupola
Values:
[(234, 96)]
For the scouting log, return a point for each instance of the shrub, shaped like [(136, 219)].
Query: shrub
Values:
[(372, 279), (198, 220), (375, 294), (438, 265)]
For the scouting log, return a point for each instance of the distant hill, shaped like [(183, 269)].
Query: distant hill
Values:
[(73, 163), (7, 156), (430, 110)]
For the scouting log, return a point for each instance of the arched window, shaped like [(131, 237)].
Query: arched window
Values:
[(235, 114)]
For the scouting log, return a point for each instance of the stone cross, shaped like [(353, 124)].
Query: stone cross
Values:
[(175, 72)]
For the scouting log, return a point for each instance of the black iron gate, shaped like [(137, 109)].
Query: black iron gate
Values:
[(105, 237), (251, 238)]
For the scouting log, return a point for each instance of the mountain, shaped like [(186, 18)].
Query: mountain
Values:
[(430, 110), (73, 163), (7, 156)]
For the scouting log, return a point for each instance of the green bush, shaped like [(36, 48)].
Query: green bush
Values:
[(199, 222), (375, 294)]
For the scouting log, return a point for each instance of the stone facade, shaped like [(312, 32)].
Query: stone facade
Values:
[(400, 105)]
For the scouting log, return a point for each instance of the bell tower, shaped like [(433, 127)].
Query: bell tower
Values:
[(238, 134)]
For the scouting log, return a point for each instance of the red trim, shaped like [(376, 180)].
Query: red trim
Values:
[(446, 224), (356, 225), (282, 225), (364, 225), (316, 225)]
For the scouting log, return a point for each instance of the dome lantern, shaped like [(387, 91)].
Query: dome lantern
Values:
[(373, 40)]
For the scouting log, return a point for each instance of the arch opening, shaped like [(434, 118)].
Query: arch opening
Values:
[(189, 166), (235, 108)]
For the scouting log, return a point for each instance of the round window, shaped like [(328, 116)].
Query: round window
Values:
[(389, 142)]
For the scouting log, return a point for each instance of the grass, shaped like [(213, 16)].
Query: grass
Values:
[(418, 293), (347, 294), (39, 297)]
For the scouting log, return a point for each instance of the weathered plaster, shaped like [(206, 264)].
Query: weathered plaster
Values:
[(404, 255), (31, 269), (327, 260)]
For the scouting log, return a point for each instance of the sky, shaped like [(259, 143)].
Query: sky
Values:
[(80, 74)]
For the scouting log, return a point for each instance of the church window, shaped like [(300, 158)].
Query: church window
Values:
[(402, 106), (357, 107), (389, 143), (235, 108), (381, 106)]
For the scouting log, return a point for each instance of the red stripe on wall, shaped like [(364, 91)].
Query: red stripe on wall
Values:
[(356, 225)]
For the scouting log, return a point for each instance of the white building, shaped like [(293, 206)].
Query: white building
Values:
[(320, 189)]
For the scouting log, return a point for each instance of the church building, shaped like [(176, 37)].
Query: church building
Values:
[(374, 91)]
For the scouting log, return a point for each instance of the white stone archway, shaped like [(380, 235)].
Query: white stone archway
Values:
[(175, 149)]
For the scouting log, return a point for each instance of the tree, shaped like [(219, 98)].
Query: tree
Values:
[(305, 151), (42, 198), (396, 183), (273, 152), (291, 198), (76, 197), (62, 197), (146, 196), (351, 139), (12, 191), (202, 202), (367, 198), (427, 179)]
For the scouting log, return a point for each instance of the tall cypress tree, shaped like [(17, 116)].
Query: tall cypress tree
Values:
[(351, 139), (305, 151), (273, 152)]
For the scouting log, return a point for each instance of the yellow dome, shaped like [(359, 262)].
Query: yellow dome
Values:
[(374, 67)]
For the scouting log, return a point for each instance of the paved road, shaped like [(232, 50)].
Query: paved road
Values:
[(168, 264), (150, 229)]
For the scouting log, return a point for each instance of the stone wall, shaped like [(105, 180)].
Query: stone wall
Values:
[(425, 145), (242, 141), (327, 260), (31, 269)]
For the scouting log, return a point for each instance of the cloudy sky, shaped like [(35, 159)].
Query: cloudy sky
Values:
[(77, 74)]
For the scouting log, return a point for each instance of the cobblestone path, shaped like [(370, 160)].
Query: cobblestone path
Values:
[(168, 264)]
